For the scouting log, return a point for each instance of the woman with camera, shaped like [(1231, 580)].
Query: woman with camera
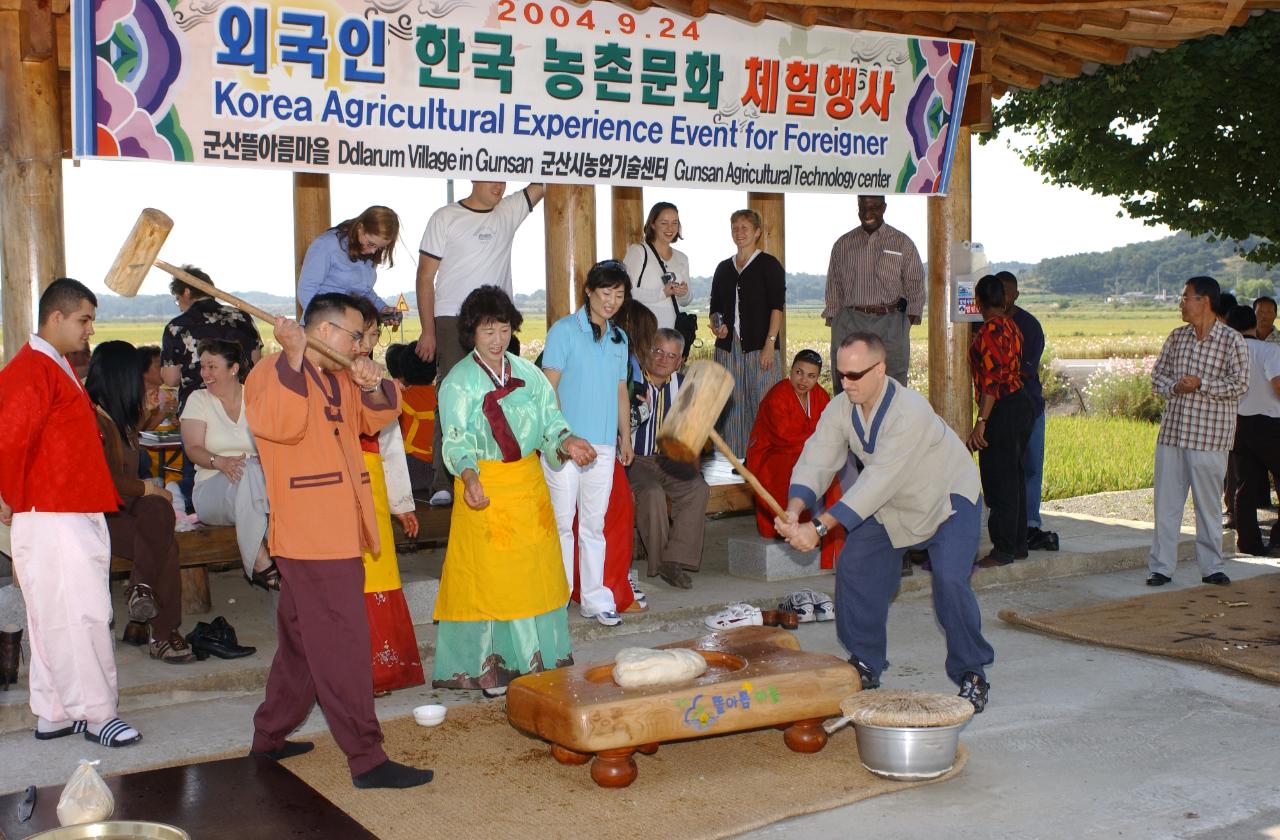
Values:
[(748, 296), (659, 273)]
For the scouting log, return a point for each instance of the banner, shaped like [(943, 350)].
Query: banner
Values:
[(523, 90)]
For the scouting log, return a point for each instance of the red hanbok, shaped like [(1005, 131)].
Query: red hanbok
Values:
[(778, 436), (619, 541)]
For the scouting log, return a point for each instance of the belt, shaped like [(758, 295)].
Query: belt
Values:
[(875, 310)]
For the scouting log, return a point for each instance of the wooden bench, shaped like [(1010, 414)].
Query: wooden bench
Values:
[(198, 551)]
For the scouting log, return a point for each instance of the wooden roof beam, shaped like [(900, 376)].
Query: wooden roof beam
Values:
[(1202, 11), (1066, 20), (1046, 61), (1017, 23), (688, 8), (1152, 14), (805, 16), (1101, 50), (1107, 18), (754, 12), (1014, 75), (845, 18)]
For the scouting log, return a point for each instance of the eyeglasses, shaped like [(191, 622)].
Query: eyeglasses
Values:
[(854, 376), (1185, 298), (662, 354), (356, 335)]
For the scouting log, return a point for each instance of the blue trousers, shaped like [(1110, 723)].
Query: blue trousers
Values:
[(1033, 471), (869, 572)]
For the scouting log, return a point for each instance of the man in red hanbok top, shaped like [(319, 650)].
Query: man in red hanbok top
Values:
[(787, 416), (54, 489)]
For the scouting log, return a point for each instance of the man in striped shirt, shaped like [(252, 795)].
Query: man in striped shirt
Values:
[(875, 283), (1203, 371)]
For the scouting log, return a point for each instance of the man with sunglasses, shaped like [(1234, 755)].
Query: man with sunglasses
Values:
[(919, 489)]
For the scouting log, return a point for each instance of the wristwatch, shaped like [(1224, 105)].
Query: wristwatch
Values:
[(820, 527)]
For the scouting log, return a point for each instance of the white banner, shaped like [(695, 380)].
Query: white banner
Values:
[(516, 90)]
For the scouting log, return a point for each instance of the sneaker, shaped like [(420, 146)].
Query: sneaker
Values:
[(1217, 579), (1038, 540), (142, 603), (441, 498), (636, 593), (735, 615), (824, 609), (804, 604), (869, 681), (975, 689), (608, 618)]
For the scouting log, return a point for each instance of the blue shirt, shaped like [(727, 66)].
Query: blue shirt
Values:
[(1032, 350), (328, 267), (590, 371)]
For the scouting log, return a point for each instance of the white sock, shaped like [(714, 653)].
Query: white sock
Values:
[(120, 735), (43, 725)]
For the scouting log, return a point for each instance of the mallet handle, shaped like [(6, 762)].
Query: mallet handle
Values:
[(746, 473), (195, 282)]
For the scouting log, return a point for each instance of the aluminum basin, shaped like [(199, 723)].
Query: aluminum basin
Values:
[(908, 754), (114, 830)]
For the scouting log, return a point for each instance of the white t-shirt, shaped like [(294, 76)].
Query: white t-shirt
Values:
[(1264, 365), (646, 281), (473, 247), (221, 436)]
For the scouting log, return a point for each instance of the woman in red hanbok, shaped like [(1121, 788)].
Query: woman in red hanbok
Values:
[(788, 414)]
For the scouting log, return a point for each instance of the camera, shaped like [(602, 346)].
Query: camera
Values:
[(717, 320), (902, 304), (668, 277)]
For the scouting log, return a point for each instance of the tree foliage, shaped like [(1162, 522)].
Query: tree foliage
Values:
[(1187, 137)]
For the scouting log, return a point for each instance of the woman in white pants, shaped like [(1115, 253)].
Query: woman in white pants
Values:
[(586, 362), (230, 486)]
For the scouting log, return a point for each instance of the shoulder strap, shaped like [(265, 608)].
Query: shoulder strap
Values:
[(643, 266)]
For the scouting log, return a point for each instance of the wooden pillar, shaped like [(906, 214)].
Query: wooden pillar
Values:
[(628, 219), (772, 208), (312, 216), (950, 223), (570, 218), (31, 227)]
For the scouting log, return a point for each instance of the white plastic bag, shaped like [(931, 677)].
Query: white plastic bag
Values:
[(86, 798)]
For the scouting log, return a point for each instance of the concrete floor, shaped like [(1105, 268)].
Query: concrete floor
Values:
[(1078, 741)]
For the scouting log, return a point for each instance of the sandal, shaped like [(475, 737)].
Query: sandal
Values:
[(268, 578), (114, 733)]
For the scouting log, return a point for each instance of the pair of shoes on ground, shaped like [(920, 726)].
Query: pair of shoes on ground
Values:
[(217, 638), (806, 605), (675, 576), (1217, 579), (113, 733)]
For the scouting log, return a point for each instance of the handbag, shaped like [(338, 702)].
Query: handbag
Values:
[(686, 322)]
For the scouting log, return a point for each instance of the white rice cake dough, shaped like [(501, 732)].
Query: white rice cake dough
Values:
[(635, 667)]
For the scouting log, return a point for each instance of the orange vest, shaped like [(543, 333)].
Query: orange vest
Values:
[(418, 420)]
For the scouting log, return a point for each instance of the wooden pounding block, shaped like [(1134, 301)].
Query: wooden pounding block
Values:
[(757, 677)]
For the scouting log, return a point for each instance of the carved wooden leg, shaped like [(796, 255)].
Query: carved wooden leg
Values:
[(806, 736), (614, 768), (647, 749), (564, 755)]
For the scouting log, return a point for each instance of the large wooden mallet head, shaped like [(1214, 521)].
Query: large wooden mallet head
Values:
[(141, 251), (704, 390)]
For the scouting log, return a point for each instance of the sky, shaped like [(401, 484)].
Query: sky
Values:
[(237, 224)]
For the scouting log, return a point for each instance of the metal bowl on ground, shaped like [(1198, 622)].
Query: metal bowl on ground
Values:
[(114, 830), (907, 754)]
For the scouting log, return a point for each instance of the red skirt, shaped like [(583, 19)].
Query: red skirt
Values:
[(396, 663), (619, 540)]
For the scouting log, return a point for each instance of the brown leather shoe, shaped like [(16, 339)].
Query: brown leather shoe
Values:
[(991, 561), (172, 651), (676, 576), (136, 633)]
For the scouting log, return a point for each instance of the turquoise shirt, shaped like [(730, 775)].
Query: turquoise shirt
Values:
[(590, 371), (531, 411), (328, 267)]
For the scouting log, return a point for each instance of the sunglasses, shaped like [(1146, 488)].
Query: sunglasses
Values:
[(854, 376)]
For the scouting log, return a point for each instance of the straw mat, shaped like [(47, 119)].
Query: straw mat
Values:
[(1235, 626), (492, 781)]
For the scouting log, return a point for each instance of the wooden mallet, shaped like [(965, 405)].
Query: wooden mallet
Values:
[(704, 390), (139, 253)]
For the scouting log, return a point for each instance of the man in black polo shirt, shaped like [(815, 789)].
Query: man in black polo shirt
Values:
[(1033, 468)]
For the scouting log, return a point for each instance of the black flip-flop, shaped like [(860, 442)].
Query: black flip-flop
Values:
[(75, 728)]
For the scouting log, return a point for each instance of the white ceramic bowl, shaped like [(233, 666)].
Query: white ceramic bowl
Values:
[(430, 715)]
